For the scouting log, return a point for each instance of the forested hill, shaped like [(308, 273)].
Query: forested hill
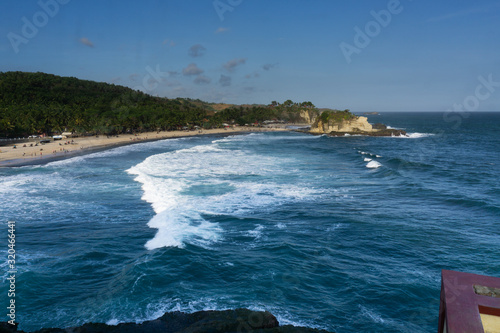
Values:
[(35, 103)]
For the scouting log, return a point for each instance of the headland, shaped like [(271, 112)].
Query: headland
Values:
[(342, 123)]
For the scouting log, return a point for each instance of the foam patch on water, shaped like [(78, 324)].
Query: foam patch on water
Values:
[(156, 310), (367, 159), (372, 315), (186, 186), (334, 227), (113, 152), (284, 317), (257, 232), (414, 135), (13, 184), (113, 322), (373, 165), (419, 135), (34, 191), (249, 196)]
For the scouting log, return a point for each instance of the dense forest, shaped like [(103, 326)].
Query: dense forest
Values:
[(36, 103)]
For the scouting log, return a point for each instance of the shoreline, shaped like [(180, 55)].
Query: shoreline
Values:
[(71, 147)]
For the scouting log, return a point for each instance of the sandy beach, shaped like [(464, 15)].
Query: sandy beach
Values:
[(28, 153)]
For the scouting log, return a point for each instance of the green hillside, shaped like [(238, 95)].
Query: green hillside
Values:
[(36, 103)]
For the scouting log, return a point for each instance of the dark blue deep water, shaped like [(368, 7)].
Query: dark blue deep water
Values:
[(300, 225)]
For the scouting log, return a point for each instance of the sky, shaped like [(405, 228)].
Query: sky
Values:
[(363, 55)]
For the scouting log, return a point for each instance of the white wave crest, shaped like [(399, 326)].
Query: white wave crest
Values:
[(419, 135), (373, 165), (177, 227), (185, 186)]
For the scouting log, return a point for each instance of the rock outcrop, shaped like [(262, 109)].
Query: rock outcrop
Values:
[(355, 125), (340, 123), (239, 320)]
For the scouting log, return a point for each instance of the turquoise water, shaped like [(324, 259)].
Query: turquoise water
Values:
[(303, 226)]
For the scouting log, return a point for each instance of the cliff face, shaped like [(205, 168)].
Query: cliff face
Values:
[(339, 123), (309, 116), (355, 125)]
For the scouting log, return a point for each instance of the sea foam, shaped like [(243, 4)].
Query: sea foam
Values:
[(187, 186)]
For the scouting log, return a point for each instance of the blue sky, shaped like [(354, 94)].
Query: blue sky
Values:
[(419, 55)]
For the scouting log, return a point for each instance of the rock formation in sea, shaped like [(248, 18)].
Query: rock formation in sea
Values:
[(239, 320), (340, 123)]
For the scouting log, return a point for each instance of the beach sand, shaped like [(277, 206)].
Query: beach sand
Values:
[(10, 156)]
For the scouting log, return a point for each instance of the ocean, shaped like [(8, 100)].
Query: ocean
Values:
[(348, 234)]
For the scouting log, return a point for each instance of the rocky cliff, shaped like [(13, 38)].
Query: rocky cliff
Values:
[(309, 116), (239, 320), (354, 125), (338, 123)]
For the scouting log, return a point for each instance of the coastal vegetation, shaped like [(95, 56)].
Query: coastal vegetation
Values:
[(39, 103), (336, 116)]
